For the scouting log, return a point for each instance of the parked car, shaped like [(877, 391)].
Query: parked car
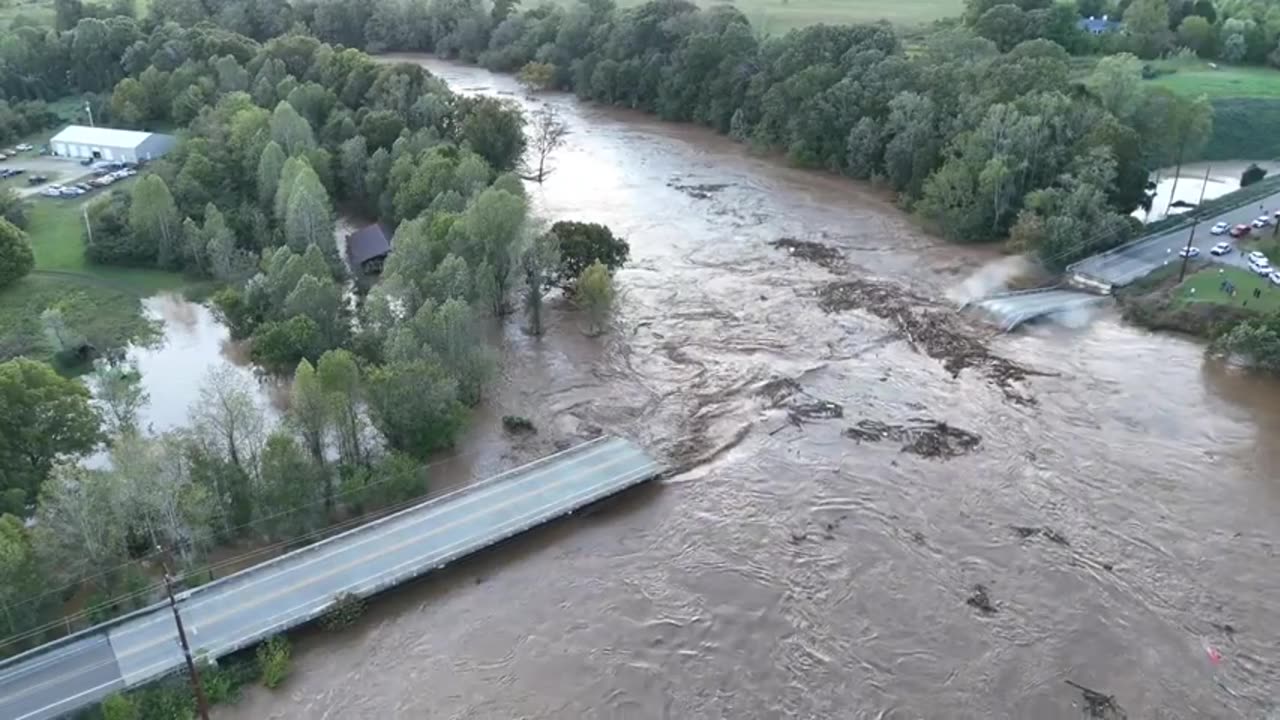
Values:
[(1219, 229), (23, 147), (1256, 256), (72, 192), (18, 171), (1274, 277), (1262, 267), (1222, 248), (1189, 252), (36, 179), (1239, 231), (1261, 221)]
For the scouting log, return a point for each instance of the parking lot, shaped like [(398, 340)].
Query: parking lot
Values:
[(54, 177), (58, 170)]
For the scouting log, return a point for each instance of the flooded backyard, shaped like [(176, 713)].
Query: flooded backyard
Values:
[(879, 510)]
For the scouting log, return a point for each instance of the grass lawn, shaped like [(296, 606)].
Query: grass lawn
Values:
[(56, 230), (1197, 78), (1206, 282)]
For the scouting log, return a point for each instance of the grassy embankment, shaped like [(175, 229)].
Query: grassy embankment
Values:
[(102, 303), (1246, 104), (1198, 305)]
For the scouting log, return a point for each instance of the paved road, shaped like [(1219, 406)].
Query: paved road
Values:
[(1125, 265), (244, 608)]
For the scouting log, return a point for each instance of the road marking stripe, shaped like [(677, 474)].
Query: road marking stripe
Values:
[(374, 533), (167, 664)]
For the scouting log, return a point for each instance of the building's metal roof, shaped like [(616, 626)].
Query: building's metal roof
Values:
[(102, 137), (368, 243)]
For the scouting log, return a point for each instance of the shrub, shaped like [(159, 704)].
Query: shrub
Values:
[(119, 707), (345, 610), (517, 424), (274, 661)]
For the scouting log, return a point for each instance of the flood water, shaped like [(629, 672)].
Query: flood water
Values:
[(1193, 181), (789, 571)]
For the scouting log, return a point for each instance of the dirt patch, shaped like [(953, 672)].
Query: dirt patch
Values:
[(814, 252), (936, 331), (702, 191), (923, 437)]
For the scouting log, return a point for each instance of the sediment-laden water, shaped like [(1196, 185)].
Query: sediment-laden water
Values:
[(883, 511)]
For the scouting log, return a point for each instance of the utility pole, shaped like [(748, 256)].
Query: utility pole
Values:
[(88, 227), (89, 109), (201, 704), (1186, 252)]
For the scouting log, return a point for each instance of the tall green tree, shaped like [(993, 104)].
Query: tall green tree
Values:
[(595, 296), (120, 395), (1147, 25), (415, 406), (16, 258), (290, 130), (291, 494), (540, 263), (340, 377), (311, 414), (308, 216), (154, 219), (44, 418), (494, 225), (270, 166)]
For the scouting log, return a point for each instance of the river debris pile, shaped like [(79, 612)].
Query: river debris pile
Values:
[(1053, 536), (1099, 705), (814, 252), (981, 600), (923, 437), (702, 191), (933, 330), (801, 406)]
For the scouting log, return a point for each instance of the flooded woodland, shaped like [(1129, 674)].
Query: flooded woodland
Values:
[(878, 509)]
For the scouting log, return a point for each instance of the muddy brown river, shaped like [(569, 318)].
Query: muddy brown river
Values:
[(842, 495)]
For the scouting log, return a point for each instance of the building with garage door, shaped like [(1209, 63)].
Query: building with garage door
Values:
[(97, 143)]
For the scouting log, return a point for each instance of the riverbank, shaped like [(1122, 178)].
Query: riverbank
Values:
[(1199, 305), (793, 561)]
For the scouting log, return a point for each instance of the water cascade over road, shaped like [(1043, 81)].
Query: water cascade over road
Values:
[(889, 511)]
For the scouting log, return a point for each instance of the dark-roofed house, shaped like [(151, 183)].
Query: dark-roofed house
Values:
[(368, 247)]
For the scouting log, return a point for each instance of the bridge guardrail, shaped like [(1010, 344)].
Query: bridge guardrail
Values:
[(107, 625)]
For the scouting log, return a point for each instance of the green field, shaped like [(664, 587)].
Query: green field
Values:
[(1206, 285), (778, 16), (100, 302), (1199, 78)]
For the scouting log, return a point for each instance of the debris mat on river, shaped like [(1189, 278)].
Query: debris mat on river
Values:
[(923, 437), (981, 600), (931, 329), (1026, 531), (1099, 705), (800, 405), (701, 191), (814, 252)]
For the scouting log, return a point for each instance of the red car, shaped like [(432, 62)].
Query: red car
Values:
[(1239, 231)]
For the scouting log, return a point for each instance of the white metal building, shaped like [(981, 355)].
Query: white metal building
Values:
[(82, 141)]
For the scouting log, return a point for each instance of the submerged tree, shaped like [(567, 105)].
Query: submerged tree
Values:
[(549, 133)]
